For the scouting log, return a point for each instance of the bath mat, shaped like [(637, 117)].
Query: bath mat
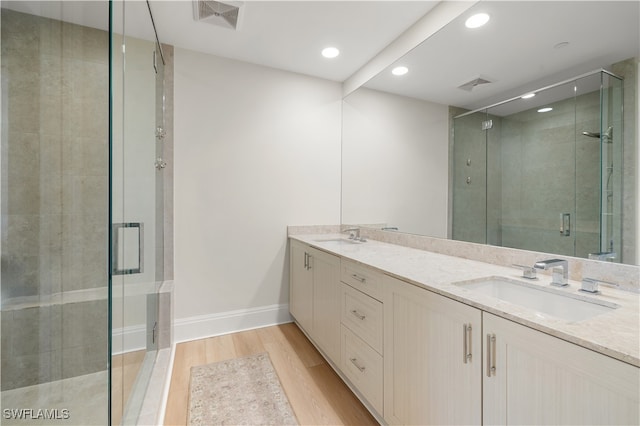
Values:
[(241, 391)]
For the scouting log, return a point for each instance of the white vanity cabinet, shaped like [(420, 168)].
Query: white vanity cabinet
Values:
[(301, 285), (362, 331), (314, 296), (432, 357), (417, 357), (533, 378)]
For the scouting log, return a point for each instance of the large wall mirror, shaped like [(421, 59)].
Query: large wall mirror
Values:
[(452, 149)]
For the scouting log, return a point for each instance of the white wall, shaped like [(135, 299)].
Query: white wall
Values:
[(637, 195), (395, 162), (256, 149)]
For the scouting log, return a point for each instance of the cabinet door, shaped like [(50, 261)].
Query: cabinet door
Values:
[(326, 303), (540, 379), (428, 376), (301, 286)]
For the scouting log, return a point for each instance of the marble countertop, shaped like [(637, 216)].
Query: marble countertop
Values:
[(615, 333)]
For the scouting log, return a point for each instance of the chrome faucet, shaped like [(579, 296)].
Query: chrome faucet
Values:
[(560, 277), (590, 285), (354, 234)]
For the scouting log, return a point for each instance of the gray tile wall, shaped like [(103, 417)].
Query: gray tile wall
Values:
[(534, 161), (54, 196)]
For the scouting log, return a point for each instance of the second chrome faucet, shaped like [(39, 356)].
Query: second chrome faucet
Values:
[(560, 269)]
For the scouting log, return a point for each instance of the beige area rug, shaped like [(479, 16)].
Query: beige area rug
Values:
[(241, 391)]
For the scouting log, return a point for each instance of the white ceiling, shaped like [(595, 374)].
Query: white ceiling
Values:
[(289, 35), (514, 50)]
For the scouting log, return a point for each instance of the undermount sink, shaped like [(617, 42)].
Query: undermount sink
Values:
[(543, 300), (338, 241)]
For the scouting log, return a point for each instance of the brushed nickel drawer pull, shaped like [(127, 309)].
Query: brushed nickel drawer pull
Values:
[(354, 361), (467, 342), (358, 315), (359, 278), (491, 355)]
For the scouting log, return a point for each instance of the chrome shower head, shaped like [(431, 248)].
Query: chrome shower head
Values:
[(607, 137)]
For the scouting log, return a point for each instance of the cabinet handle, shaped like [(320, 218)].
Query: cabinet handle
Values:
[(491, 355), (306, 260), (354, 361), (361, 279), (309, 257), (358, 315), (467, 342)]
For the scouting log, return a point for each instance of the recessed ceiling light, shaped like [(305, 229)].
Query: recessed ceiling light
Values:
[(330, 52), (528, 96), (546, 109), (399, 70), (477, 20)]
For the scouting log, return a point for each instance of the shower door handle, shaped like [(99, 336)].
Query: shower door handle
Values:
[(125, 261), (565, 224)]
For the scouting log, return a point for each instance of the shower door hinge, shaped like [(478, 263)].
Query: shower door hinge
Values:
[(160, 133), (487, 124), (155, 62)]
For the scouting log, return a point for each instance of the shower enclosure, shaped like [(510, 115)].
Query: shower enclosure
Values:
[(544, 172), (82, 210)]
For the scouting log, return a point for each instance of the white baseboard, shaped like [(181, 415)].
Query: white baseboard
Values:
[(202, 326), (129, 339)]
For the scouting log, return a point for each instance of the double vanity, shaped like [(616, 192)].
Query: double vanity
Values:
[(428, 338)]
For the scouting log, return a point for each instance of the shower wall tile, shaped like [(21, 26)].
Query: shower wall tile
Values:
[(84, 156), (87, 44), (55, 232), (24, 158), (628, 70), (537, 156)]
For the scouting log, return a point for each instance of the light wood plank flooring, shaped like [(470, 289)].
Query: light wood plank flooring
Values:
[(316, 393), (124, 370)]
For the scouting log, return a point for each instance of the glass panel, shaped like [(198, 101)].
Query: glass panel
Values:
[(137, 252), (612, 158), (537, 150), (588, 170), (470, 178), (554, 172), (54, 203)]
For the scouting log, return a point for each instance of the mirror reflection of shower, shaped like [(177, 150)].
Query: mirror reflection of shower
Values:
[(607, 137), (520, 153), (607, 190)]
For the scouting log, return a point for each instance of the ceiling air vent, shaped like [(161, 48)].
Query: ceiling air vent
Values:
[(224, 14), (470, 85)]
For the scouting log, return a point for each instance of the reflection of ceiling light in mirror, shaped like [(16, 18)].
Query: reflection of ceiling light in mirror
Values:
[(330, 52), (477, 20), (528, 96), (399, 70), (546, 109)]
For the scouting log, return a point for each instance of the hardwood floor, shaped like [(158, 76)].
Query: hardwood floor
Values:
[(316, 393), (124, 370)]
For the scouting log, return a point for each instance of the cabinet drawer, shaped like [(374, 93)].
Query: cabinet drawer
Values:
[(362, 315), (363, 366), (364, 279)]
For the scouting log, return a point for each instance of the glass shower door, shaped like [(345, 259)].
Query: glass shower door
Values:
[(611, 166), (54, 174), (537, 153), (470, 179), (136, 207)]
